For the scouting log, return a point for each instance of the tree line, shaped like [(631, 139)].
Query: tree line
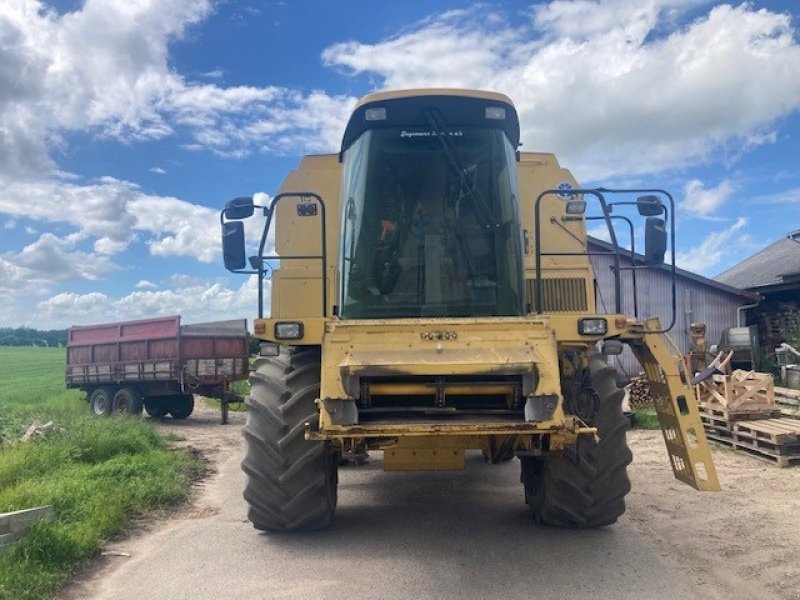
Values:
[(26, 336)]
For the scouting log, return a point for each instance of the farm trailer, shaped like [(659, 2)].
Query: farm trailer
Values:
[(156, 365)]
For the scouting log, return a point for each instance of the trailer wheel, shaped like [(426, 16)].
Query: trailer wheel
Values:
[(101, 402), (291, 482), (181, 406), (586, 485), (128, 401), (155, 407)]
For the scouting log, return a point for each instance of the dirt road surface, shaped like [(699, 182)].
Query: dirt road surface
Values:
[(463, 535)]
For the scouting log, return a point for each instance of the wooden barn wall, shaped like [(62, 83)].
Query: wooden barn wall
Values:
[(696, 303)]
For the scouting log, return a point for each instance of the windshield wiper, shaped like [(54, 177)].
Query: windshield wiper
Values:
[(483, 212)]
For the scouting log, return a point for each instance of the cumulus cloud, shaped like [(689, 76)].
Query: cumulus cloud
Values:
[(47, 262), (144, 284), (713, 249), (603, 83), (705, 202), (104, 68), (201, 301)]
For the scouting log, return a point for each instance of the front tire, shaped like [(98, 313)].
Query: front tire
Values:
[(586, 485), (291, 482)]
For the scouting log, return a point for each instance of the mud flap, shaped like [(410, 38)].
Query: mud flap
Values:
[(676, 406)]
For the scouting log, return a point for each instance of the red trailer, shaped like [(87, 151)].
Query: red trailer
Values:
[(156, 364)]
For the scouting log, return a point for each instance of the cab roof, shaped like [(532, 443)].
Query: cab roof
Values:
[(412, 108)]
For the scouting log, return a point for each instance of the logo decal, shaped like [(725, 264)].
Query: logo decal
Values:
[(564, 188)]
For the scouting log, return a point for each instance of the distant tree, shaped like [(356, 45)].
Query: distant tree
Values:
[(27, 336)]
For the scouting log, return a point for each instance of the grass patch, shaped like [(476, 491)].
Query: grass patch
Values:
[(96, 473), (645, 417)]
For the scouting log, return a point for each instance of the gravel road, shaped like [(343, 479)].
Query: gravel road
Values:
[(461, 535)]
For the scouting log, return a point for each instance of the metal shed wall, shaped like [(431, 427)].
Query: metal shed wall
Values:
[(697, 302)]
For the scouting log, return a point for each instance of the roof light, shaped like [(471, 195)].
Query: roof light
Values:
[(375, 114), (495, 112), (576, 207)]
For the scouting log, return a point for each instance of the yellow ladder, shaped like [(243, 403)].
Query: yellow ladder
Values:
[(676, 406)]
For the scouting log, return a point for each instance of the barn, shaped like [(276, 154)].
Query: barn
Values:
[(774, 273), (698, 299)]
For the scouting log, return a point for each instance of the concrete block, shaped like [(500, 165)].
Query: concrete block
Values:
[(14, 525)]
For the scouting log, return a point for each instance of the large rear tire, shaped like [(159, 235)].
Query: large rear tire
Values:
[(291, 482), (586, 485)]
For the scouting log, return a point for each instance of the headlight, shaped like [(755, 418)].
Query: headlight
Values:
[(592, 326), (288, 331)]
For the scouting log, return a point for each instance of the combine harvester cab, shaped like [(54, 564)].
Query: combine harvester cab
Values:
[(431, 293)]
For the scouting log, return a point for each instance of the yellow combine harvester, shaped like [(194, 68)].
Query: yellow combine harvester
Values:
[(431, 293)]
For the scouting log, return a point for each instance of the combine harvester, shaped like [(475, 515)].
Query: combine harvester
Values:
[(431, 293)]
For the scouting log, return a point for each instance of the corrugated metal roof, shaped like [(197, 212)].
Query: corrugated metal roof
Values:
[(774, 265)]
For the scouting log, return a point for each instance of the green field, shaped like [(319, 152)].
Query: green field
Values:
[(96, 472), (32, 387)]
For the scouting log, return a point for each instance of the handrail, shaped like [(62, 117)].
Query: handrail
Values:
[(322, 257), (599, 193)]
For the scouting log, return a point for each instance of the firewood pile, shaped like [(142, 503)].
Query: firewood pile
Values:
[(639, 391)]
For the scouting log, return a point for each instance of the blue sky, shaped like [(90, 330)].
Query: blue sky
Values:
[(125, 125)]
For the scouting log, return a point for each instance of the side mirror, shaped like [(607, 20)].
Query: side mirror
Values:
[(655, 241), (239, 208), (649, 206), (233, 245)]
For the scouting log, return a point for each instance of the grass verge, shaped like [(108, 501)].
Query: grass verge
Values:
[(96, 473), (645, 417)]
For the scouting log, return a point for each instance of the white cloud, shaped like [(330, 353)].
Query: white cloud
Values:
[(104, 68), (705, 202), (65, 309), (713, 249), (602, 83), (144, 284), (179, 228), (50, 260), (158, 171), (115, 213), (201, 301)]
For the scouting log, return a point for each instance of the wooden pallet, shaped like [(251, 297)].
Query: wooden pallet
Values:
[(757, 450), (788, 401), (741, 414), (777, 431)]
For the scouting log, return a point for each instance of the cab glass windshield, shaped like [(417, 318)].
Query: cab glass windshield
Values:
[(430, 225)]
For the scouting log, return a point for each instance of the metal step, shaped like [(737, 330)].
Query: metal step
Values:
[(678, 415)]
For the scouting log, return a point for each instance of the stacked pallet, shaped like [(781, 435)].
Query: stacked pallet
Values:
[(788, 401), (773, 440), (739, 409)]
